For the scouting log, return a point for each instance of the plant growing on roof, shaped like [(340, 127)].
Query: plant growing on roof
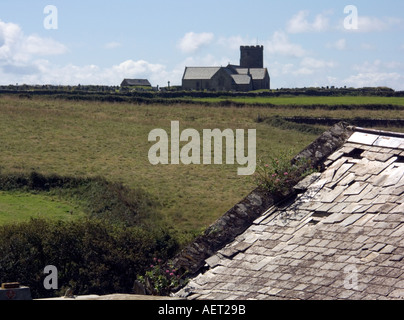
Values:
[(161, 279), (279, 174)]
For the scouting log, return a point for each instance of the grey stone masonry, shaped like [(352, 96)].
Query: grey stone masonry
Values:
[(340, 237)]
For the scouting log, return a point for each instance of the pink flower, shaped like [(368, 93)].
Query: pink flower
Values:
[(167, 271), (267, 165), (171, 274), (286, 173), (151, 266)]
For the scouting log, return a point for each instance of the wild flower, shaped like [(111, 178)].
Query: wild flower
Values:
[(161, 280)]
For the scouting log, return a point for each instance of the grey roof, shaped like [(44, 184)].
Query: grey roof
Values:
[(136, 82), (200, 73), (342, 237), (256, 73), (241, 78)]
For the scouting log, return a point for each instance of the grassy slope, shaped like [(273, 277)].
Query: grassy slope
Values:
[(111, 140), (17, 206), (305, 100)]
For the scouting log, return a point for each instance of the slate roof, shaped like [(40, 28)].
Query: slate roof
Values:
[(136, 82), (341, 237), (256, 73), (241, 78), (200, 73)]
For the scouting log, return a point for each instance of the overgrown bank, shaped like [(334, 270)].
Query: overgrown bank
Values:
[(99, 254)]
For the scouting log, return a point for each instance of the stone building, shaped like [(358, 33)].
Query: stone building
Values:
[(135, 83), (249, 75), (339, 234)]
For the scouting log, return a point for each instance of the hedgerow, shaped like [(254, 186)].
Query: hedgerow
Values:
[(92, 256)]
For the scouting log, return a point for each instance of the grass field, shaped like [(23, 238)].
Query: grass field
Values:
[(18, 207), (306, 100), (111, 140)]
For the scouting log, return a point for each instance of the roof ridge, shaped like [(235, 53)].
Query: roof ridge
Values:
[(380, 132)]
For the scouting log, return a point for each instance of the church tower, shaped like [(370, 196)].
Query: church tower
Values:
[(252, 56)]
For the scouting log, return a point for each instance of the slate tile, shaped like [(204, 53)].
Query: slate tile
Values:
[(398, 293), (355, 188), (363, 138), (398, 209), (330, 195), (389, 142), (345, 294), (351, 219), (389, 249), (378, 247)]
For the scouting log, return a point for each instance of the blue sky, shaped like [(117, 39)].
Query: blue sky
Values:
[(102, 42)]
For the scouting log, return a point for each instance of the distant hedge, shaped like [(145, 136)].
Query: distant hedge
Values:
[(92, 256)]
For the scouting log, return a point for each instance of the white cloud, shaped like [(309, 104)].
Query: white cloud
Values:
[(368, 46), (374, 79), (339, 45), (300, 24), (17, 48), (48, 73), (374, 24), (191, 42), (310, 66), (234, 42), (112, 45), (378, 66), (206, 60), (316, 64), (281, 45), (22, 60)]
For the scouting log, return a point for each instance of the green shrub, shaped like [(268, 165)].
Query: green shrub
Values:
[(92, 256)]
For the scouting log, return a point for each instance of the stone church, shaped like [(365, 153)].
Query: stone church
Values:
[(249, 75)]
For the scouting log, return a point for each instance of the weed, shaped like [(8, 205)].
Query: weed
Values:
[(278, 175)]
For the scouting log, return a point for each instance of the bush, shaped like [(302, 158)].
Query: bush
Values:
[(92, 256)]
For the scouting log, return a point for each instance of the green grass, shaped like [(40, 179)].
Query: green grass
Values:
[(306, 100), (21, 207), (79, 138)]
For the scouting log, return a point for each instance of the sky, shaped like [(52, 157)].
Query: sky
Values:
[(306, 43)]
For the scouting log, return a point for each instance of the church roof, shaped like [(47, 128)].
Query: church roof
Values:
[(200, 73)]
